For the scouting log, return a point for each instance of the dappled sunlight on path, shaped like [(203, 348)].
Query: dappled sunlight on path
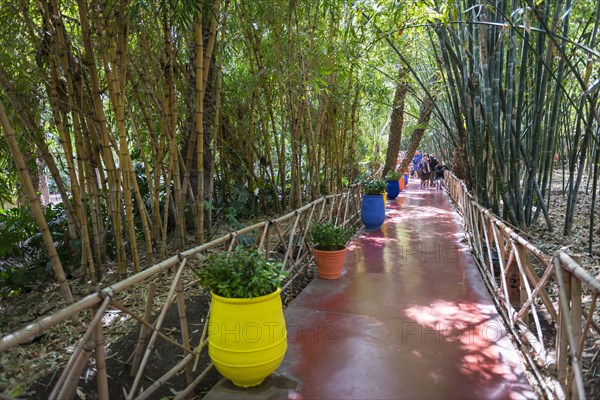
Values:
[(409, 318)]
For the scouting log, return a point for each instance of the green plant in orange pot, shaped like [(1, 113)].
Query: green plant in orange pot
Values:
[(329, 248), (247, 337)]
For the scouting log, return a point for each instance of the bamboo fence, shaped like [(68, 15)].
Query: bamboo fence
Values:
[(541, 297), (283, 238)]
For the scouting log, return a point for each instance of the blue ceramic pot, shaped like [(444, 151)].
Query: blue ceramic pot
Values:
[(392, 188), (372, 211)]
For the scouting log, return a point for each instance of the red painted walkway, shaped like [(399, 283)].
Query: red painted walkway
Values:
[(409, 319)]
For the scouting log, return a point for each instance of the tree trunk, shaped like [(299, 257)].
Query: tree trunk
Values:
[(397, 118), (417, 135)]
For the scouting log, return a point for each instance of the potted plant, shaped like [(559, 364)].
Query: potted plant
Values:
[(329, 248), (247, 337), (373, 206), (392, 184)]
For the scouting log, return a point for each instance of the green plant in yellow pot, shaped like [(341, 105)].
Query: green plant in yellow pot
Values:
[(247, 337)]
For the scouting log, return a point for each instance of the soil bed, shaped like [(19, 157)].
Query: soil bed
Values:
[(163, 357)]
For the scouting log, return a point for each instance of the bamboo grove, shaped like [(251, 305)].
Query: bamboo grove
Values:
[(521, 97), (158, 121), (155, 119)]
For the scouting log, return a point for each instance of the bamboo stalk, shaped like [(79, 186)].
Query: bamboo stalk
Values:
[(305, 234), (200, 68), (185, 333), (580, 273), (137, 353), (525, 283), (576, 312), (265, 233), (75, 359), (99, 352), (148, 325), (159, 322), (586, 327), (36, 209), (280, 235), (202, 342), (288, 283), (538, 287), (188, 390), (547, 359), (231, 241), (569, 337), (299, 261), (499, 242), (488, 247), (504, 286), (163, 379), (68, 387), (291, 244)]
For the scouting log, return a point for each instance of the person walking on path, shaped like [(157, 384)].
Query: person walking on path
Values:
[(433, 162), (424, 173), (438, 176), (415, 161)]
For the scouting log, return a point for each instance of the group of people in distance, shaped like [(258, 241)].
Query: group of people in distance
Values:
[(429, 170)]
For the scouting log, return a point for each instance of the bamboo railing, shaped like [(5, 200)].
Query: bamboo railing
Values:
[(283, 238), (541, 297)]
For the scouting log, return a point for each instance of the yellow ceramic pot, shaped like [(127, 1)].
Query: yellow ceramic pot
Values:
[(384, 199), (247, 338)]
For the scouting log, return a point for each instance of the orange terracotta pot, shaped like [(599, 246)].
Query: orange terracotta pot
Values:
[(401, 182), (329, 263)]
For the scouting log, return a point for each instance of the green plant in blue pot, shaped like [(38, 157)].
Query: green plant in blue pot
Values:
[(392, 184), (373, 206)]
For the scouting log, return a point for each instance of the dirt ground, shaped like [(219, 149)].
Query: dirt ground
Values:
[(576, 244), (120, 348)]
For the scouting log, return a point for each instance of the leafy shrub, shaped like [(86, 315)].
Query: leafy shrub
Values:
[(375, 186), (242, 273), (327, 236), (393, 175), (16, 226), (23, 255)]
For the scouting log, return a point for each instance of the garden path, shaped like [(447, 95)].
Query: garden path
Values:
[(410, 318)]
